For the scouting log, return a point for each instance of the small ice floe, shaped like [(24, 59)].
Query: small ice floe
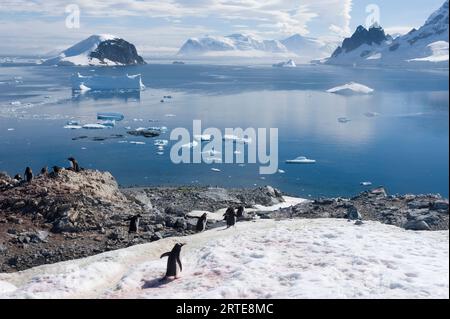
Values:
[(137, 143), (344, 120), (161, 143), (94, 126), (84, 148), (73, 122), (211, 152), (138, 120), (287, 64), (168, 96), (161, 129), (83, 88), (190, 145), (281, 171), (11, 129), (72, 127), (203, 137), (351, 88), (213, 159), (366, 183), (301, 160), (109, 123), (236, 139), (169, 115), (160, 153), (371, 114), (215, 170), (237, 152), (16, 103), (122, 142), (110, 116)]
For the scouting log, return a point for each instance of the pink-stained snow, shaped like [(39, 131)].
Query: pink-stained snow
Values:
[(323, 258)]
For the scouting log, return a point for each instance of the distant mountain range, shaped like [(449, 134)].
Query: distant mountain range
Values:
[(247, 46), (104, 49), (423, 47)]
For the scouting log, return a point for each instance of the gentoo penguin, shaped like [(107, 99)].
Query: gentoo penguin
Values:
[(174, 266), (44, 170), (18, 177), (74, 164), (240, 212), (28, 174), (134, 224), (230, 217), (201, 223), (57, 169)]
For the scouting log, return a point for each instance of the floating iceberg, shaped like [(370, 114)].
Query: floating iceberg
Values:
[(161, 143), (371, 114), (351, 88), (94, 126), (288, 64), (237, 139), (110, 116), (72, 127), (137, 143), (215, 170), (366, 183), (203, 137), (301, 160), (107, 83), (190, 145), (109, 123)]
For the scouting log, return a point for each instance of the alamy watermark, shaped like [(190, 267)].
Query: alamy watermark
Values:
[(239, 146), (73, 17), (373, 17)]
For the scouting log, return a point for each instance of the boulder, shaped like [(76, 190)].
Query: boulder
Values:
[(419, 225)]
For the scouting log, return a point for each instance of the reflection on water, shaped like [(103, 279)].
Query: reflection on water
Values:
[(106, 95), (397, 137)]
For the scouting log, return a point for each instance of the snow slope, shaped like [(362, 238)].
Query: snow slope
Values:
[(79, 53), (425, 47), (321, 258)]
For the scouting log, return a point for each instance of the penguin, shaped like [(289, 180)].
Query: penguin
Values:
[(18, 177), (174, 266), (134, 224), (74, 164), (28, 175), (57, 169), (44, 170), (240, 212), (201, 223), (230, 217)]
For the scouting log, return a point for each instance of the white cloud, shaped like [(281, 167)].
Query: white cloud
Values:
[(269, 18)]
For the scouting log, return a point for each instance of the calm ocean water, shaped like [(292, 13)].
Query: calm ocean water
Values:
[(404, 147)]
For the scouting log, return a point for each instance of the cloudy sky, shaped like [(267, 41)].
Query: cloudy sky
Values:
[(162, 26)]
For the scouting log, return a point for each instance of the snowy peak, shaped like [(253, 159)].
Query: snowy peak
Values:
[(425, 47), (103, 49), (233, 42), (374, 35)]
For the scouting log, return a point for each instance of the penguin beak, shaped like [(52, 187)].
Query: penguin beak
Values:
[(183, 244)]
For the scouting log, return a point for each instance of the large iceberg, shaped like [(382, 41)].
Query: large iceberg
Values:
[(351, 88), (107, 83)]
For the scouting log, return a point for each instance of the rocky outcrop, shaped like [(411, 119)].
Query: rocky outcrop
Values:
[(119, 51)]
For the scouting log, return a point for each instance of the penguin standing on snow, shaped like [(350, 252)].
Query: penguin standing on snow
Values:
[(134, 224), (174, 266), (201, 223), (240, 212), (230, 217), (28, 175), (74, 164)]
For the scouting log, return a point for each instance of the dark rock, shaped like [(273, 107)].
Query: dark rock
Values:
[(419, 204), (417, 225), (117, 50), (440, 205)]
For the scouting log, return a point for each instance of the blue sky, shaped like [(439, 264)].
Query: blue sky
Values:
[(38, 26)]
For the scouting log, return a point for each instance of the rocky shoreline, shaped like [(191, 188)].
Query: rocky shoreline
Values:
[(71, 215)]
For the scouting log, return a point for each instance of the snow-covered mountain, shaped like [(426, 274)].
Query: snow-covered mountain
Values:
[(104, 49), (427, 46), (234, 42), (309, 48), (301, 48)]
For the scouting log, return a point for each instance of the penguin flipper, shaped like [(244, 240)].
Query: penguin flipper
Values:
[(165, 255), (179, 263)]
